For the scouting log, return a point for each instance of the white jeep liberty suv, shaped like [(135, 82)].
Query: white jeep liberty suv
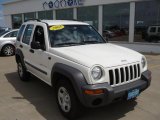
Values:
[(83, 68)]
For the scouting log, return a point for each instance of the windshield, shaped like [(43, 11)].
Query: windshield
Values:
[(71, 35)]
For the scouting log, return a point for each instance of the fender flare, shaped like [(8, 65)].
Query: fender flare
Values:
[(19, 53), (75, 77)]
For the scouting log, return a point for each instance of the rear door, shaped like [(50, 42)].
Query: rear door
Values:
[(25, 43)]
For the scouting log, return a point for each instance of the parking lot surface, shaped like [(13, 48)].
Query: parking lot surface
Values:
[(34, 100)]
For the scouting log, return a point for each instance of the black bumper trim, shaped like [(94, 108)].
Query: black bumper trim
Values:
[(113, 93)]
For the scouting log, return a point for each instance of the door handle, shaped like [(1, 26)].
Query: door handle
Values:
[(32, 51), (21, 46)]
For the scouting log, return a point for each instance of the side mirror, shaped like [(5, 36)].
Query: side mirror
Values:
[(35, 45)]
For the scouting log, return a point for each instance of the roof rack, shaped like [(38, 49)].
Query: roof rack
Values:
[(74, 19), (38, 20)]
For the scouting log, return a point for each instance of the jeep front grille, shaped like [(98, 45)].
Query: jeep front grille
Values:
[(124, 74)]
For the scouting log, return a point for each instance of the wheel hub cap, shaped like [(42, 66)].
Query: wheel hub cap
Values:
[(20, 70), (64, 99), (8, 50)]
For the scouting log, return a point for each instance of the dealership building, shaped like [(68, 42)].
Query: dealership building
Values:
[(123, 22)]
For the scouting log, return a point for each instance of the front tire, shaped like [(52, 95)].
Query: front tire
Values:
[(22, 72), (67, 101), (8, 50)]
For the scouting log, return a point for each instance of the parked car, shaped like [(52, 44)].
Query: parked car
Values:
[(83, 68), (152, 34), (108, 34), (7, 42)]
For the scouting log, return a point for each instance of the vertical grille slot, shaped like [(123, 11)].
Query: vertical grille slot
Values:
[(111, 77), (127, 73), (131, 72), (122, 74), (135, 71), (117, 76)]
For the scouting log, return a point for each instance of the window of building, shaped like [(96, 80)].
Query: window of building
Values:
[(147, 16), (116, 22), (45, 15), (64, 14), (29, 16), (16, 21), (88, 15), (27, 34)]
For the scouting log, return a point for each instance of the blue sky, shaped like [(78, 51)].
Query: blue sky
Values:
[(2, 23)]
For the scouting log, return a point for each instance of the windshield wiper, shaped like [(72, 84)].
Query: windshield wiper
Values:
[(67, 44), (74, 43), (92, 42)]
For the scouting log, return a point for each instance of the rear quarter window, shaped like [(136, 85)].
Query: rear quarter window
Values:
[(153, 29), (27, 34), (20, 33)]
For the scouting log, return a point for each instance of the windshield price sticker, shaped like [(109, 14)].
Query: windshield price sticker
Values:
[(56, 27)]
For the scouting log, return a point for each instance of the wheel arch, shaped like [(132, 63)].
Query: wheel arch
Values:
[(19, 56), (5, 44), (74, 76)]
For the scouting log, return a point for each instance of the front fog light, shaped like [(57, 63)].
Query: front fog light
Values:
[(96, 73), (143, 62)]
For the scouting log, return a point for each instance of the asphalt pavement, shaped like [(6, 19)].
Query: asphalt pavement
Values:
[(34, 100)]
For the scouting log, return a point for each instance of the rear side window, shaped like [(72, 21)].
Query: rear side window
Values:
[(11, 34), (153, 29), (20, 32), (14, 34), (27, 34)]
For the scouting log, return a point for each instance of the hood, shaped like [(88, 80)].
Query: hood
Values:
[(106, 55)]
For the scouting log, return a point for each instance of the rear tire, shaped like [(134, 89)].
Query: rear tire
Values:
[(67, 101), (8, 50), (22, 72)]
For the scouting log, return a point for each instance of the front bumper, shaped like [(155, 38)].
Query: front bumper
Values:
[(112, 94)]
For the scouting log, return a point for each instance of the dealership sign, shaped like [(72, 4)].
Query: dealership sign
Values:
[(53, 4)]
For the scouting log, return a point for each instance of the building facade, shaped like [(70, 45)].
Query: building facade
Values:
[(123, 22)]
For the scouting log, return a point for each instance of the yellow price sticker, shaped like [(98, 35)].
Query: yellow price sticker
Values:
[(56, 27)]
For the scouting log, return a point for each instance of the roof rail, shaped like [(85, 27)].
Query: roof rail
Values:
[(38, 20), (74, 19)]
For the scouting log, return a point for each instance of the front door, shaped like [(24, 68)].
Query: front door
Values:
[(39, 57)]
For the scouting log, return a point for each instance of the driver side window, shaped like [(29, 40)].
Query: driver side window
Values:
[(39, 36)]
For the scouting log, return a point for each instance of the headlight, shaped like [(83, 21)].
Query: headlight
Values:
[(96, 73), (143, 62)]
